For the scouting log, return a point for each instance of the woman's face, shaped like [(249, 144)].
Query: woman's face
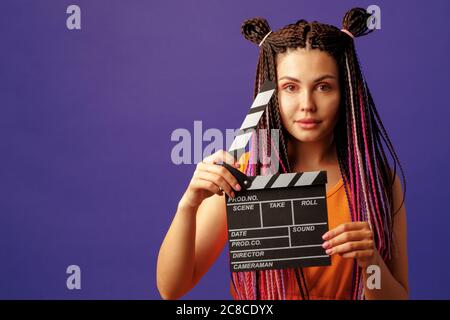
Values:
[(308, 93)]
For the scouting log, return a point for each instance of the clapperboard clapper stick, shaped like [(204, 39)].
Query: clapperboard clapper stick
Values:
[(275, 221)]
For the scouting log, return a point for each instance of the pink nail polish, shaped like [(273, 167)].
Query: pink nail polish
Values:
[(325, 245), (238, 187), (329, 251)]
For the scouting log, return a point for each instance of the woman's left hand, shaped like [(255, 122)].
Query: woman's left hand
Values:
[(352, 240)]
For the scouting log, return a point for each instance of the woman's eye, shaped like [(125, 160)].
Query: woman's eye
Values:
[(324, 87), (289, 88)]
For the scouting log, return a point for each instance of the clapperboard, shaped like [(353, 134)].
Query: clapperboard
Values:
[(275, 221)]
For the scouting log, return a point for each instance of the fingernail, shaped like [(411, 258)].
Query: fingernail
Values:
[(326, 245), (325, 236), (232, 194), (238, 187), (329, 251)]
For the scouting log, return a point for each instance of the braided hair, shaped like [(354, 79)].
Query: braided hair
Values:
[(361, 140)]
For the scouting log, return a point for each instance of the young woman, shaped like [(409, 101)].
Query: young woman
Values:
[(327, 121)]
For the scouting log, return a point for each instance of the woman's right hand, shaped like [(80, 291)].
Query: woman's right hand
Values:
[(210, 178)]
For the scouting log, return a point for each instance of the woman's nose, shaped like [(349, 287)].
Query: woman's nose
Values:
[(307, 102)]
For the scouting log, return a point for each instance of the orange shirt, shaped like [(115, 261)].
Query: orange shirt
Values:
[(330, 282)]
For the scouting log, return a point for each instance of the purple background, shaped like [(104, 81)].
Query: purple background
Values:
[(86, 116)]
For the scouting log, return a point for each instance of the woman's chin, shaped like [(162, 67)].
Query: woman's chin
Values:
[(307, 136)]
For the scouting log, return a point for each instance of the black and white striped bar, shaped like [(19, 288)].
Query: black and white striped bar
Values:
[(250, 122), (283, 180)]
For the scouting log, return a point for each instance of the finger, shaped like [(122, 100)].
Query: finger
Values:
[(347, 237), (218, 180), (220, 156), (221, 171), (350, 246), (351, 226), (228, 158), (359, 254), (210, 186)]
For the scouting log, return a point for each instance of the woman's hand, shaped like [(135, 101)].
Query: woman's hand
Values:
[(352, 240), (210, 178)]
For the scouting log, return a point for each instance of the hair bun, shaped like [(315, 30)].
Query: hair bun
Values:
[(355, 21), (301, 22), (255, 29)]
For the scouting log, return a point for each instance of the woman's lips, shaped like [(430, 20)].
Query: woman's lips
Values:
[(308, 124)]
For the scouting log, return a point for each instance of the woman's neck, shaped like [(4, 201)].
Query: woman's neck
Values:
[(310, 156)]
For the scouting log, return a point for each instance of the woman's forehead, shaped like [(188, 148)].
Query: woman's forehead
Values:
[(305, 63)]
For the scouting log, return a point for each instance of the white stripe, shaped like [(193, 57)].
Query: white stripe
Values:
[(277, 248), (240, 142), (251, 120), (293, 217), (295, 225), (283, 180), (289, 231), (277, 237), (260, 215), (250, 202), (269, 260), (307, 178), (262, 98), (260, 182)]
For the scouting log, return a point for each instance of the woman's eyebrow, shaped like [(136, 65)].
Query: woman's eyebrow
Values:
[(325, 76)]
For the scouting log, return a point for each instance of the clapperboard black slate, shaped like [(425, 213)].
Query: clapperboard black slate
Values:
[(275, 221)]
